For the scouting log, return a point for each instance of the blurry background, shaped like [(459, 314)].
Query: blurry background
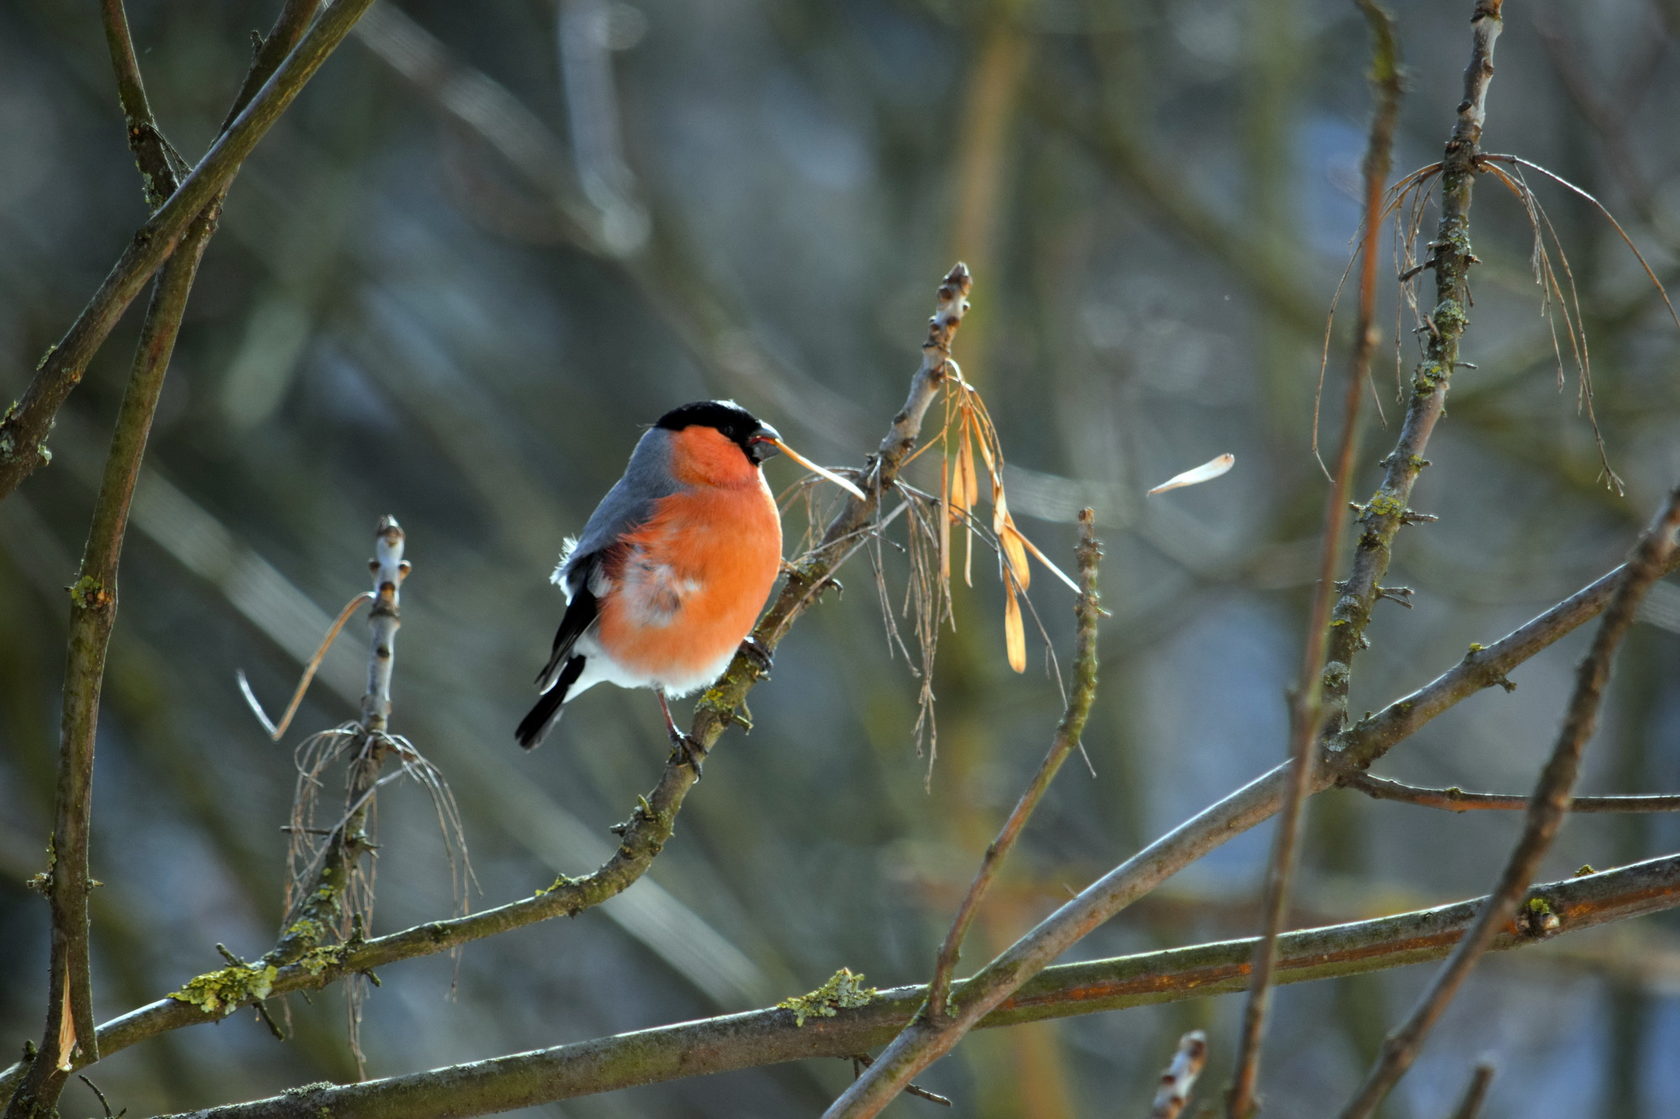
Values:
[(491, 240)]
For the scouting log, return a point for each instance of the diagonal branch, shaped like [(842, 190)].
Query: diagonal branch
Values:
[(764, 1037), (70, 1038), (1547, 808), (1381, 517), (1087, 609)]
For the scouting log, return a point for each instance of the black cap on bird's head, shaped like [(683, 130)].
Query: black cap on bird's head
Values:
[(757, 439)]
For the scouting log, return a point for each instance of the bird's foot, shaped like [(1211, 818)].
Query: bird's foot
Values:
[(689, 751), (758, 653)]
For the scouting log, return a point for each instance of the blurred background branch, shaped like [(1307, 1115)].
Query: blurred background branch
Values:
[(23, 429)]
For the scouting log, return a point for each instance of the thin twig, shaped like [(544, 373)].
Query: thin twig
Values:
[(861, 1061), (1180, 1077), (1547, 808), (1650, 274), (289, 28), (322, 889), (329, 890), (1474, 1092), (103, 1102), (277, 730), (1087, 610), (765, 1037), (1307, 709), (1457, 800), (161, 166), (1381, 518)]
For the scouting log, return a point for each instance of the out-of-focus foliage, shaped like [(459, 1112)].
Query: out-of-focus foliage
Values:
[(756, 200)]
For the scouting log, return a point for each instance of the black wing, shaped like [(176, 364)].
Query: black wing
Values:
[(541, 718), (581, 613)]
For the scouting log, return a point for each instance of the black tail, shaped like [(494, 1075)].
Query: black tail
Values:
[(541, 719)]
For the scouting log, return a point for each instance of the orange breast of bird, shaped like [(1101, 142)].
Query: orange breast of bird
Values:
[(688, 585)]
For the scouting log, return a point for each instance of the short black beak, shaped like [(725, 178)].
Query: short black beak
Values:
[(763, 443)]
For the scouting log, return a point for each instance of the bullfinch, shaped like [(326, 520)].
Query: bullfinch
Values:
[(672, 568)]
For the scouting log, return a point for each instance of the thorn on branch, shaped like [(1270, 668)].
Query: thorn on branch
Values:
[(861, 1061), (1402, 595), (268, 1020), (643, 814), (103, 1102), (1495, 679)]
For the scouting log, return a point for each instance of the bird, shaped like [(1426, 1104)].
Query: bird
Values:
[(672, 568)]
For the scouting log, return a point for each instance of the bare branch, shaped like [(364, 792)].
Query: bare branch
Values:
[(325, 890), (70, 1035), (1307, 709), (1381, 518), (1349, 751), (70, 1038), (289, 27), (769, 1036), (1546, 810), (1484, 666), (1457, 800)]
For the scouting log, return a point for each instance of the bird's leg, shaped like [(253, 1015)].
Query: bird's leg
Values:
[(759, 653), (692, 752)]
